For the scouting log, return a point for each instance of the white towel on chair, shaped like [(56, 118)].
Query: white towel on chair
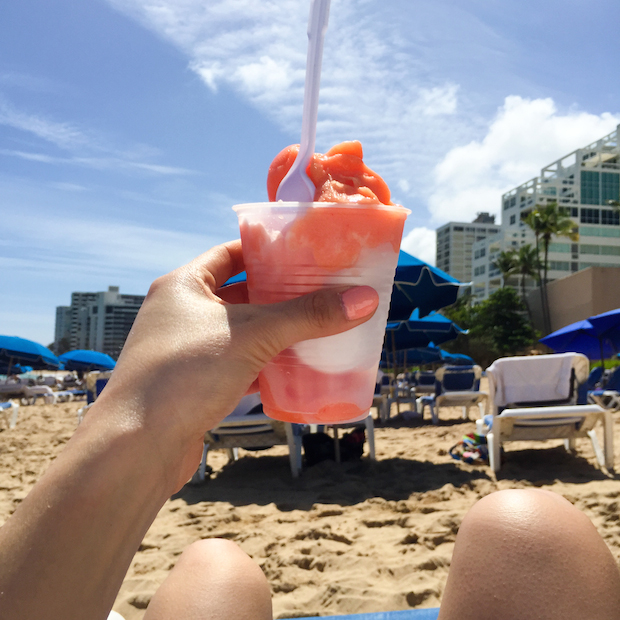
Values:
[(531, 378)]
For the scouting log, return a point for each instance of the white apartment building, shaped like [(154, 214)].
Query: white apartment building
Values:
[(98, 321), (582, 182), (455, 241)]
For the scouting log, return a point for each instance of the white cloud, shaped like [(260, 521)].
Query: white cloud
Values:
[(439, 100), (371, 89), (96, 247), (421, 243), (118, 164), (63, 135), (525, 136)]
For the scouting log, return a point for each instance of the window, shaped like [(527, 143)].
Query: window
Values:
[(513, 219), (513, 201), (610, 250), (610, 187), (507, 204), (478, 271), (559, 265), (610, 218), (589, 249), (459, 228), (590, 216), (559, 247), (590, 194)]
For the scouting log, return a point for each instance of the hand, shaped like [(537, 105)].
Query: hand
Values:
[(195, 349)]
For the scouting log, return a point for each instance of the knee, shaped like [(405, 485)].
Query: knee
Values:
[(223, 561), (522, 515), (539, 530)]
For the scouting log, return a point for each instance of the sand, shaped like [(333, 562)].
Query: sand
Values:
[(358, 537)]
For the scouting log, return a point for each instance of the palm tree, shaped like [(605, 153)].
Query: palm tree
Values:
[(534, 221), (527, 265), (548, 221), (505, 262)]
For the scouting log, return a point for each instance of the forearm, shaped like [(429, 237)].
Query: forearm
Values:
[(65, 551)]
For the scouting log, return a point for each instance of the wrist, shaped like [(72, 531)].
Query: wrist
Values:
[(146, 439)]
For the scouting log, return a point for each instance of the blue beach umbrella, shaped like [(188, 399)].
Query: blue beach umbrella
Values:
[(420, 285), (408, 357), (420, 332), (417, 285), (16, 369), (607, 326), (82, 359), (580, 337), (15, 350), (456, 359)]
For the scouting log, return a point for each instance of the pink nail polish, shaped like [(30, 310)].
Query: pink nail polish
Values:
[(359, 302)]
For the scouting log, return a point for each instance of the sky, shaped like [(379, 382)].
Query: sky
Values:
[(129, 128)]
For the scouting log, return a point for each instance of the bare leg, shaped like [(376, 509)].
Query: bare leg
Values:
[(530, 554), (213, 580)]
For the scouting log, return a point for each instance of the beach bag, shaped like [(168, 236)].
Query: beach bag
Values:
[(471, 449), (320, 446), (317, 447), (352, 444)]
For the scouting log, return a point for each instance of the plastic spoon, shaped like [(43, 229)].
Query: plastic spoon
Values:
[(296, 185)]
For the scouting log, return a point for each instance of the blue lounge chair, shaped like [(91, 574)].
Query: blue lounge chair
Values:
[(455, 386), (608, 396), (596, 374)]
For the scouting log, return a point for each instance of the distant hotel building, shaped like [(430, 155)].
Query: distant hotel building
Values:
[(97, 321), (455, 241), (583, 182)]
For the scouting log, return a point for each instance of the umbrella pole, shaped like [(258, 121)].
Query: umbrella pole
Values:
[(602, 354), (394, 353)]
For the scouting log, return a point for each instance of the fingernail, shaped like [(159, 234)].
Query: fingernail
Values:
[(359, 302)]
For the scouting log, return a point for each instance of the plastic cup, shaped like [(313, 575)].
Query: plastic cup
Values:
[(291, 249)]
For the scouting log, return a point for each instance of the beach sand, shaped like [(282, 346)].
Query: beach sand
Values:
[(358, 537)]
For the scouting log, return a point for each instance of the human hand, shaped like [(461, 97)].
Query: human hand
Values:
[(195, 349)]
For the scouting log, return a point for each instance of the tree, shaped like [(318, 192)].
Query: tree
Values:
[(527, 265), (497, 327), (548, 221), (505, 262)]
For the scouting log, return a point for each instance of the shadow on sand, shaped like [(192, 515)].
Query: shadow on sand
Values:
[(267, 479)]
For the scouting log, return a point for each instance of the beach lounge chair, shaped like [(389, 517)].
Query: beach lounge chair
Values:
[(534, 398), (455, 386), (424, 383), (408, 614), (608, 396), (40, 391), (9, 411), (590, 384), (248, 427)]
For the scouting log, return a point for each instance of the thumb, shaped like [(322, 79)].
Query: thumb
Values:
[(321, 313)]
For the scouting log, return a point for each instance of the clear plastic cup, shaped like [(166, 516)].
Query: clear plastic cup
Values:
[(293, 248)]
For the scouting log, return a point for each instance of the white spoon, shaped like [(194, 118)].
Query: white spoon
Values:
[(296, 186)]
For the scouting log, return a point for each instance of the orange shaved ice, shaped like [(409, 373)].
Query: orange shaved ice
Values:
[(339, 176)]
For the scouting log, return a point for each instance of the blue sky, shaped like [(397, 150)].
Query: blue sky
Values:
[(128, 128)]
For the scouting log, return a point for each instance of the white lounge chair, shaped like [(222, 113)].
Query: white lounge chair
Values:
[(455, 386), (246, 429), (532, 398), (40, 391), (9, 412)]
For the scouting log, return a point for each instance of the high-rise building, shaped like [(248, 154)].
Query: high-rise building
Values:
[(99, 321), (583, 183), (455, 241), (62, 333)]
